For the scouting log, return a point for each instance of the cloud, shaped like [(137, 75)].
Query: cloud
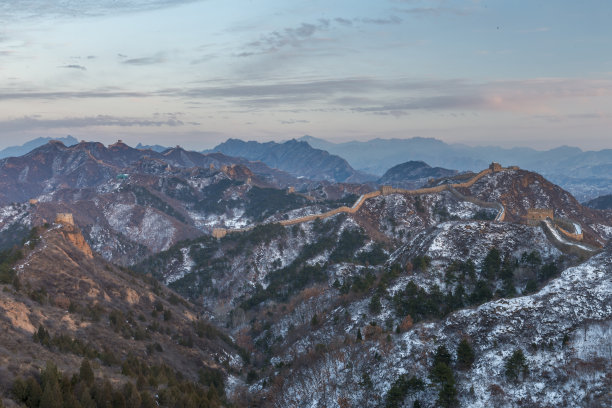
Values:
[(293, 121), (28, 94), (11, 10), (35, 122), (155, 59), (343, 21), (381, 21), (361, 95), (74, 66), (287, 37)]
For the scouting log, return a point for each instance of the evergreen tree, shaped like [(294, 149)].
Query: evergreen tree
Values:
[(491, 263), (516, 366), (359, 338), (530, 287), (86, 374), (52, 395), (465, 355), (375, 306), (441, 373), (447, 397), (442, 356)]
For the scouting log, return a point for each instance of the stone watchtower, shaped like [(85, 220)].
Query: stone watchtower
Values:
[(64, 219), (495, 167), (535, 215)]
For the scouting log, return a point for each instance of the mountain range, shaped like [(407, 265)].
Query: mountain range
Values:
[(132, 277), (586, 174)]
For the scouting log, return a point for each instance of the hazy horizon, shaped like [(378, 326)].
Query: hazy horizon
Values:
[(109, 140), (198, 72)]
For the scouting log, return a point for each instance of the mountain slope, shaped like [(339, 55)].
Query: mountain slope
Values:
[(566, 353), (600, 203), (66, 303), (297, 158)]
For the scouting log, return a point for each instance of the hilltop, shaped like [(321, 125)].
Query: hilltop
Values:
[(413, 174)]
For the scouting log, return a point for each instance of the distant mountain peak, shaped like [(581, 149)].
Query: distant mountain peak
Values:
[(15, 151), (296, 157), (412, 174)]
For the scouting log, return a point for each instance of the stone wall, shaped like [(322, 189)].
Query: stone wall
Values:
[(386, 190)]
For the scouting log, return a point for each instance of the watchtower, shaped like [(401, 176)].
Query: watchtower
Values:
[(64, 219), (219, 232), (495, 167), (386, 190), (535, 215)]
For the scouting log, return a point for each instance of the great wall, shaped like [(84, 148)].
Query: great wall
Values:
[(556, 228), (388, 190)]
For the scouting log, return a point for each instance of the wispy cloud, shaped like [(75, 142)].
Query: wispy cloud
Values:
[(151, 60), (74, 66), (28, 94), (293, 121), (381, 21), (22, 10), (287, 37), (361, 95), (36, 122), (308, 33)]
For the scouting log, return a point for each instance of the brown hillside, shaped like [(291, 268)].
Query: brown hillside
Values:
[(76, 294)]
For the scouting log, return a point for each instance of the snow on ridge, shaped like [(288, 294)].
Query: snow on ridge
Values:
[(182, 269)]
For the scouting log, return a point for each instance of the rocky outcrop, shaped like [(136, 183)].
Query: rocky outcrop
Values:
[(73, 234)]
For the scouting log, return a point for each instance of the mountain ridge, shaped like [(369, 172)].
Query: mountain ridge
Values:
[(13, 151), (586, 174), (295, 157)]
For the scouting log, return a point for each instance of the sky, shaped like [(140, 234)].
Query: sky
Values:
[(534, 73)]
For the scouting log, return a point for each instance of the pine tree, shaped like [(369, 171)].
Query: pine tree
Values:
[(516, 366), (375, 305), (491, 263), (465, 355), (52, 395), (359, 338), (442, 356), (447, 397), (86, 373)]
